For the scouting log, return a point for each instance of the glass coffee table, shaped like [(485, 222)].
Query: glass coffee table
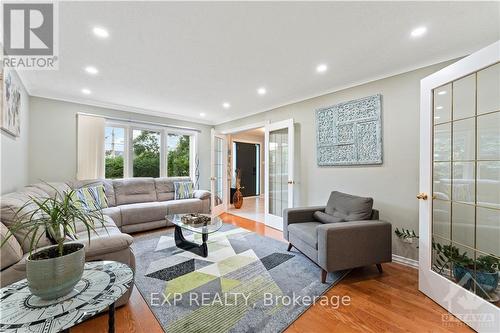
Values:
[(204, 229)]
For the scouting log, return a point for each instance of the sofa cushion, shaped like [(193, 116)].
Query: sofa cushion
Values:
[(165, 187), (107, 183), (11, 251), (143, 212), (104, 240), (51, 188), (183, 190), (326, 218), (201, 194), (134, 190), (306, 232), (184, 206), (349, 207), (115, 214), (90, 198), (10, 205)]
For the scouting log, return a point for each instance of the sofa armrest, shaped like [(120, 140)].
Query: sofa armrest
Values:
[(201, 194), (345, 245), (298, 215)]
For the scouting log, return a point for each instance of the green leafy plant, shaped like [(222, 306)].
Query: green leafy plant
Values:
[(487, 263), (55, 217), (447, 255), (405, 233)]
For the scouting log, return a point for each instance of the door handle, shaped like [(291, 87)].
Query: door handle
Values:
[(212, 178), (422, 196), (291, 182)]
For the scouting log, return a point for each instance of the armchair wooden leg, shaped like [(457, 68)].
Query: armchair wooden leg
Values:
[(289, 246), (323, 275), (379, 267)]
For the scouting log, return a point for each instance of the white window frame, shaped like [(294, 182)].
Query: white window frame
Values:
[(128, 160), (125, 146)]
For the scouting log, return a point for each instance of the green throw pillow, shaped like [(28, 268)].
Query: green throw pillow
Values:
[(91, 198), (183, 190)]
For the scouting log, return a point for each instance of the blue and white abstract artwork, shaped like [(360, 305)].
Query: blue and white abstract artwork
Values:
[(350, 133)]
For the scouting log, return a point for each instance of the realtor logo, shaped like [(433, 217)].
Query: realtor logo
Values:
[(29, 31)]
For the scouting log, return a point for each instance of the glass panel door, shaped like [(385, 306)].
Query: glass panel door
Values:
[(459, 221), (218, 179), (466, 182), (279, 171)]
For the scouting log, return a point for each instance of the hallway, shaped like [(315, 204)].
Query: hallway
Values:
[(253, 209)]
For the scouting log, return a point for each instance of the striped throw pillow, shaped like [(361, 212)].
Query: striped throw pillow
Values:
[(183, 190), (91, 198)]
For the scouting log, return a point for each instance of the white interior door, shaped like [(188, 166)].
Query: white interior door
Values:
[(279, 142), (460, 188), (218, 177)]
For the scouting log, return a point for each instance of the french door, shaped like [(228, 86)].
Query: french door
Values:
[(218, 178), (460, 189), (279, 144)]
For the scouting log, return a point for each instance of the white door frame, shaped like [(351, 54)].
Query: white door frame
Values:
[(273, 220), (221, 208), (465, 305), (231, 131)]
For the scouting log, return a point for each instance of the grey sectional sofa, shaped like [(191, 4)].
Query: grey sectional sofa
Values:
[(135, 204)]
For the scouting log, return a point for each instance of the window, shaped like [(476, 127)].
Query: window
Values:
[(146, 147), (178, 146), (148, 151), (114, 147)]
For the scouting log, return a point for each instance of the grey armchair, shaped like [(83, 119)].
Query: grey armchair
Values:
[(344, 234)]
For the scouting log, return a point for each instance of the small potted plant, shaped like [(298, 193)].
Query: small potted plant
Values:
[(481, 273), (53, 271), (486, 274)]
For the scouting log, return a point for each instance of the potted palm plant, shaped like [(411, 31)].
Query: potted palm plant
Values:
[(53, 271), (481, 272)]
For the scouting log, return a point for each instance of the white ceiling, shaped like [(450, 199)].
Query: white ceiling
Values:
[(181, 59)]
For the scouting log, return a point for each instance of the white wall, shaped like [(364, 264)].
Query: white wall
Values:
[(14, 151), (52, 146), (394, 184)]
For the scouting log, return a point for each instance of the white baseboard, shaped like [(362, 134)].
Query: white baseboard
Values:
[(405, 261)]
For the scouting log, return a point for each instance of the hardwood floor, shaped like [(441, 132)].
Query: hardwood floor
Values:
[(388, 302)]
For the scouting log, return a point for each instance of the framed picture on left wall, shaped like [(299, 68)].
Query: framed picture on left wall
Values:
[(10, 118)]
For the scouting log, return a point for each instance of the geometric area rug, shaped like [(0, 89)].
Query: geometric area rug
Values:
[(248, 282)]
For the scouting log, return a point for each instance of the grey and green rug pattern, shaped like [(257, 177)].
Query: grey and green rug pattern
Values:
[(248, 283)]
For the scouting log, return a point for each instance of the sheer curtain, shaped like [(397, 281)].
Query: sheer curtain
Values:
[(90, 148)]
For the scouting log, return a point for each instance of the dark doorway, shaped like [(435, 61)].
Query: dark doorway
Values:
[(247, 158)]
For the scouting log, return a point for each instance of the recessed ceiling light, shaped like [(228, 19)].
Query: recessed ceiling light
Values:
[(418, 32), (86, 91), (91, 70), (100, 32), (226, 105), (321, 68), (439, 107), (203, 114), (261, 91), (442, 92)]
